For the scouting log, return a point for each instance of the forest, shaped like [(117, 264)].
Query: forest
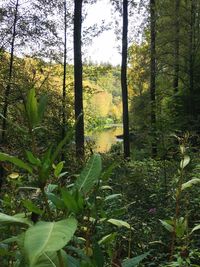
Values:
[(99, 162)]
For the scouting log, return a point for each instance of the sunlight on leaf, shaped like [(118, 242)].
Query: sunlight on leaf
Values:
[(190, 183), (184, 162), (13, 175), (119, 223)]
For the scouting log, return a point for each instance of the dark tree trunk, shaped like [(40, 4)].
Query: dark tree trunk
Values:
[(124, 80), (78, 87), (9, 84), (191, 59), (176, 46), (64, 73), (153, 76)]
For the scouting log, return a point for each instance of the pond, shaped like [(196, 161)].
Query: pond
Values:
[(105, 138)]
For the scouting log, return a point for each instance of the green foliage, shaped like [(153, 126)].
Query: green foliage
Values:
[(19, 163), (47, 237), (134, 261), (168, 225), (19, 218), (73, 201), (178, 225), (119, 223), (102, 210), (43, 235), (35, 109), (89, 176), (190, 183), (30, 206), (41, 241)]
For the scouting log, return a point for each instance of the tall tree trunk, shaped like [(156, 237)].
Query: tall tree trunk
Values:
[(191, 59), (124, 80), (10, 75), (176, 46), (64, 73), (78, 86), (153, 76)]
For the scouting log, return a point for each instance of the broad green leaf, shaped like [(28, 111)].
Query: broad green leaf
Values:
[(113, 196), (98, 255), (48, 237), (119, 223), (32, 207), (182, 149), (69, 200), (107, 239), (50, 259), (32, 159), (167, 226), (18, 218), (14, 160), (58, 168), (32, 108), (190, 183), (196, 228), (56, 200), (79, 200), (90, 174), (47, 156), (181, 227), (41, 107), (10, 240), (46, 166), (134, 261), (184, 162)]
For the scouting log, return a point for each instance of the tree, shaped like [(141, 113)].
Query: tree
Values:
[(139, 74), (178, 61), (176, 46), (124, 80), (78, 86), (153, 74), (122, 8), (30, 23), (64, 72), (10, 75), (192, 48)]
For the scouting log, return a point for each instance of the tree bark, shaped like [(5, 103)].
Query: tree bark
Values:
[(191, 59), (176, 46), (78, 87), (124, 81), (64, 73), (10, 75), (153, 76)]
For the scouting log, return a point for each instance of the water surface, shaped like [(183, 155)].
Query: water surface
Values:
[(104, 139)]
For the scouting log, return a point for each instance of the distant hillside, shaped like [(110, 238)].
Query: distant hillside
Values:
[(102, 93)]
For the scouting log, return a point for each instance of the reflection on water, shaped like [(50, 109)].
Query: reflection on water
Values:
[(105, 139)]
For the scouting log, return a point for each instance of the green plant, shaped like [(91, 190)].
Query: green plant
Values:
[(178, 225), (69, 225)]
